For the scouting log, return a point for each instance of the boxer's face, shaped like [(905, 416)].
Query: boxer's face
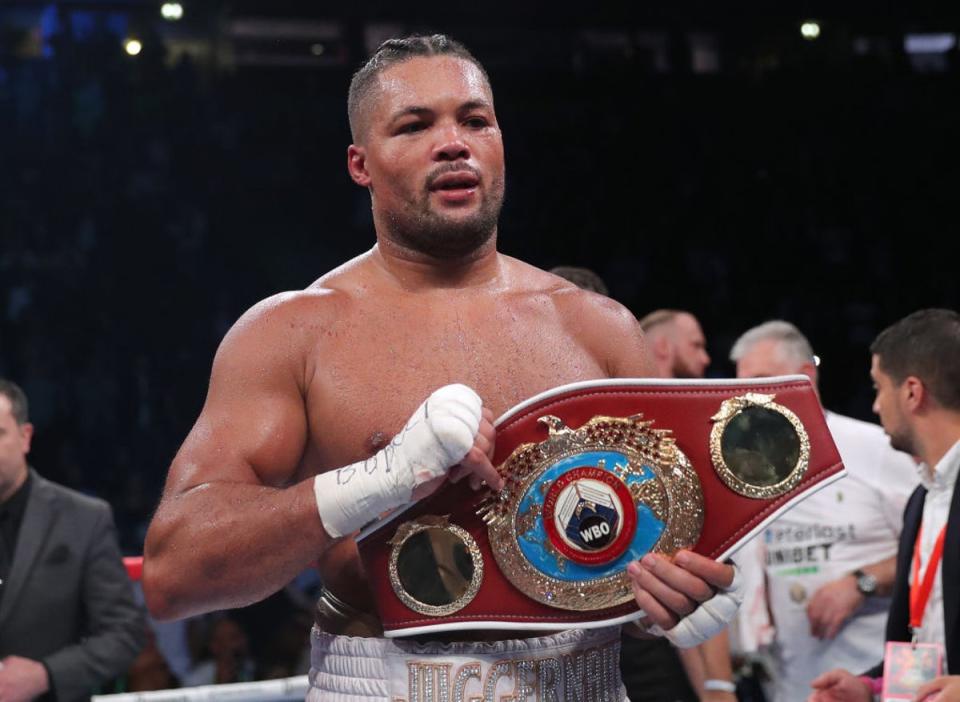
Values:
[(432, 156), (14, 447)]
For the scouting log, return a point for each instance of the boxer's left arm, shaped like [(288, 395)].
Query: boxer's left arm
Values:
[(666, 590)]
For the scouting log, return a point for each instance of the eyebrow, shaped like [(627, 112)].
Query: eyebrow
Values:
[(413, 110), (419, 111)]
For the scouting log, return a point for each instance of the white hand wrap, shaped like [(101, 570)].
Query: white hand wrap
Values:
[(709, 619), (436, 438)]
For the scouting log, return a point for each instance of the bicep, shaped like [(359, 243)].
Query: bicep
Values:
[(253, 425)]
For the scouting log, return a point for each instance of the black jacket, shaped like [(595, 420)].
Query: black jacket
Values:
[(898, 621)]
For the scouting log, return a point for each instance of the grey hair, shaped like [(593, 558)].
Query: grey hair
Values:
[(793, 344)]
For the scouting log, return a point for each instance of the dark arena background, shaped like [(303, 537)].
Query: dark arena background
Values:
[(163, 168)]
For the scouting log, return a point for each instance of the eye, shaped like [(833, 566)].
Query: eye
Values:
[(411, 128), (477, 122)]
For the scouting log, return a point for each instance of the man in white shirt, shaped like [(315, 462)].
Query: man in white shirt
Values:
[(916, 373), (829, 562)]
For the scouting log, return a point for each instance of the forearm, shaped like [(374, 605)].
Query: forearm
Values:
[(224, 545), (716, 663), (693, 665), (708, 661)]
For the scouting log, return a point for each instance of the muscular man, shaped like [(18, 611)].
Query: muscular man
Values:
[(677, 344), (324, 409), (829, 562)]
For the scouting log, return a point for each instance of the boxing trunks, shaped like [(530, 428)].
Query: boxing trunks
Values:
[(571, 666)]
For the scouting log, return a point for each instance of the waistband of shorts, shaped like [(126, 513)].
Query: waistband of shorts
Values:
[(561, 643), (544, 667)]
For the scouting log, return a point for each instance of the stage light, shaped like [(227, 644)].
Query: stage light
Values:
[(171, 11), (317, 49), (810, 30), (929, 43), (132, 47)]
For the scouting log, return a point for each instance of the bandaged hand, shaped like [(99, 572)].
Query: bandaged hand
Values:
[(439, 435), (689, 600)]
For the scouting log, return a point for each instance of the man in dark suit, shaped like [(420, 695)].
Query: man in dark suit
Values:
[(916, 373), (68, 620)]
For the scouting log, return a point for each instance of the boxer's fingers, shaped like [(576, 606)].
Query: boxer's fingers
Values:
[(487, 431), (481, 470), (714, 573), (672, 592)]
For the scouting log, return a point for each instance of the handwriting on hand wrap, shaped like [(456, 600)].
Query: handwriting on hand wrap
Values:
[(370, 465)]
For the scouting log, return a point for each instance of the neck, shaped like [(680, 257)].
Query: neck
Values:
[(416, 271), (938, 433)]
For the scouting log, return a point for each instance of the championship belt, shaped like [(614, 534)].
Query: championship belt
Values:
[(597, 475)]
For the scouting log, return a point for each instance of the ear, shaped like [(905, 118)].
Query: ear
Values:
[(26, 435), (661, 347), (809, 370), (357, 165), (914, 393)]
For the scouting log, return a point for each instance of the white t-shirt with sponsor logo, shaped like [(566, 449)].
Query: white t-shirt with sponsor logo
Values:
[(851, 523)]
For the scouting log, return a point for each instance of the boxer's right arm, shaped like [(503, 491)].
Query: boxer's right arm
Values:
[(225, 533)]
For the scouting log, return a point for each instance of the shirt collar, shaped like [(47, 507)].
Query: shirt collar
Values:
[(944, 473)]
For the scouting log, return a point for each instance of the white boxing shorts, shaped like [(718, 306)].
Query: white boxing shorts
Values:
[(571, 666)]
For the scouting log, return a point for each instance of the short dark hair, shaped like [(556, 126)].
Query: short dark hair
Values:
[(583, 278), (392, 52), (925, 344), (19, 406)]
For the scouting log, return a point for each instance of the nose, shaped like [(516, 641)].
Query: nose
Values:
[(451, 146)]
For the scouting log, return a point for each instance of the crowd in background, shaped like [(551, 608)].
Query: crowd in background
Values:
[(146, 205)]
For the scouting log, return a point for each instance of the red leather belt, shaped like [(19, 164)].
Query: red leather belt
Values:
[(599, 473)]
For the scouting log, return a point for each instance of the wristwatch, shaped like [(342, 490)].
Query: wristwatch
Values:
[(866, 583)]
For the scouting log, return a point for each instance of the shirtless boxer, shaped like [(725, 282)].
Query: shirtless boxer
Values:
[(331, 405)]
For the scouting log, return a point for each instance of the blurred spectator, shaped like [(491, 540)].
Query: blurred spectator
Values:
[(676, 344), (829, 562), (225, 657), (150, 671), (68, 621)]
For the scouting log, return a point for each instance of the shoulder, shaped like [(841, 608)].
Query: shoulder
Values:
[(841, 425), (299, 317), (599, 323), (589, 309), (70, 499), (863, 439), (866, 452)]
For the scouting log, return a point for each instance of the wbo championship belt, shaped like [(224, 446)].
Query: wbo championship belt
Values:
[(597, 475)]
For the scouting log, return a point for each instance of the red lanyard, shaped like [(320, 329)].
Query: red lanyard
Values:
[(922, 585)]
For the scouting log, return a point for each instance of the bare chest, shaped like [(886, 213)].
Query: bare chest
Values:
[(370, 377)]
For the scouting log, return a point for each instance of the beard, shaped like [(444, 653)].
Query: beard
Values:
[(683, 370), (421, 228), (902, 440)]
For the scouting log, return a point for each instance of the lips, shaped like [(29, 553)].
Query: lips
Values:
[(455, 180)]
